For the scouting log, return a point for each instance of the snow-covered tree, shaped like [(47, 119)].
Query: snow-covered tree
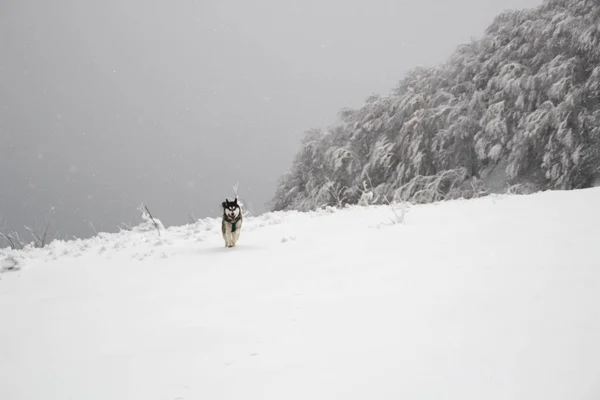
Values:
[(525, 97)]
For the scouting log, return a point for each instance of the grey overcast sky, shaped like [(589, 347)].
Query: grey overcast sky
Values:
[(106, 104)]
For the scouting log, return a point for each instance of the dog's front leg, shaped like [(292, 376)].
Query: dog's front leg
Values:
[(227, 237), (228, 240), (226, 234), (234, 238)]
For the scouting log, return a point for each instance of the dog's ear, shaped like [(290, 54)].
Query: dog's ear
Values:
[(235, 201), (224, 204)]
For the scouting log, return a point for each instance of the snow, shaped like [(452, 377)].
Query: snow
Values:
[(492, 298)]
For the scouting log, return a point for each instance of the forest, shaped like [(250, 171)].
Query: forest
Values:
[(515, 111)]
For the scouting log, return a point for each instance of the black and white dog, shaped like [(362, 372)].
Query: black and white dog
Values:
[(232, 222)]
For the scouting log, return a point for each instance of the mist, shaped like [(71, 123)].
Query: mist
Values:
[(105, 105)]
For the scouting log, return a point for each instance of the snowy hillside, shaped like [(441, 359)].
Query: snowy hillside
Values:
[(492, 298)]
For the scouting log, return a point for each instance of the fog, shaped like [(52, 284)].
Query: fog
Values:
[(107, 104)]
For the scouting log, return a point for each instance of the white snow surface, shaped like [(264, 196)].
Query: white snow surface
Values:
[(492, 298)]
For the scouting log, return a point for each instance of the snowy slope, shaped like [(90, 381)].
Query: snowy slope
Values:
[(493, 298)]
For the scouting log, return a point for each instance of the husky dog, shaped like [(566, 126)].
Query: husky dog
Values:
[(232, 222)]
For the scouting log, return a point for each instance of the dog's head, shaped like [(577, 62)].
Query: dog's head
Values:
[(231, 209)]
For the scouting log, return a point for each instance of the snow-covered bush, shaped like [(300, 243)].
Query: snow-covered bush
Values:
[(150, 223)]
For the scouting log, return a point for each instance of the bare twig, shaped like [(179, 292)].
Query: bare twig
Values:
[(93, 228), (126, 226), (399, 219), (40, 237), (145, 209), (367, 196), (192, 219), (13, 240), (338, 192)]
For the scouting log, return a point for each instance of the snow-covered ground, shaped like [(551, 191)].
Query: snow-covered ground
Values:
[(493, 298)]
